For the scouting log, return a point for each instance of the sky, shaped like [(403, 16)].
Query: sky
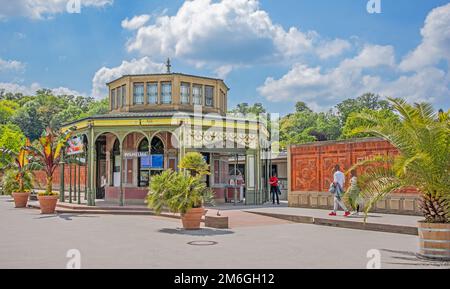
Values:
[(275, 52)]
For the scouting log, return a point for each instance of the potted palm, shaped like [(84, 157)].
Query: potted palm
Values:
[(181, 193), (47, 152), (422, 138), (17, 180)]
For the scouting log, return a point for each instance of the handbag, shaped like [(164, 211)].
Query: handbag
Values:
[(332, 189)]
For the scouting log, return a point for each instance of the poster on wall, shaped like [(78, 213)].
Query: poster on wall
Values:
[(152, 162), (75, 146)]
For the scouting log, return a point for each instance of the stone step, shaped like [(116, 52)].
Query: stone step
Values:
[(388, 228)]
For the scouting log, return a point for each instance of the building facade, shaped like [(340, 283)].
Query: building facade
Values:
[(154, 120)]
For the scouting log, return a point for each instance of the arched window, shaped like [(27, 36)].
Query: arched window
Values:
[(144, 161), (157, 146), (116, 154)]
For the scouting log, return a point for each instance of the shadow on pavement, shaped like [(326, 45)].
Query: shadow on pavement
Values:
[(201, 232), (66, 217), (412, 259)]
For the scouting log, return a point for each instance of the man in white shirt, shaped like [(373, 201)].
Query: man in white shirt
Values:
[(339, 183)]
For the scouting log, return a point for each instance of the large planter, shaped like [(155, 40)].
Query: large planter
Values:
[(20, 199), (434, 241), (192, 219), (48, 204)]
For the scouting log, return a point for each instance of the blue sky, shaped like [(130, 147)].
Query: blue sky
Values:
[(274, 52)]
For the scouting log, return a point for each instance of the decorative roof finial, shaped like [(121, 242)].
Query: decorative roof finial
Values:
[(168, 65)]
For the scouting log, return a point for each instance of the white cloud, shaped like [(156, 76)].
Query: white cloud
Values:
[(374, 69), (372, 56), (7, 65), (31, 89), (333, 48), (435, 44), (223, 71), (135, 66), (227, 32), (323, 89), (41, 9), (136, 22)]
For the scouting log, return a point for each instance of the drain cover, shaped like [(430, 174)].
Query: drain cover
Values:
[(202, 243)]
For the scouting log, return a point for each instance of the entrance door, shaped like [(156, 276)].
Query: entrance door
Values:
[(101, 167)]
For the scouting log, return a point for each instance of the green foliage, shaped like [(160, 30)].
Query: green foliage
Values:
[(195, 164), (178, 192), (354, 121), (307, 126), (7, 110), (368, 101), (422, 138), (301, 107), (34, 113), (245, 109), (11, 185), (11, 138)]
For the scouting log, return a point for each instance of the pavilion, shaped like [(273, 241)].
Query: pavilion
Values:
[(154, 120)]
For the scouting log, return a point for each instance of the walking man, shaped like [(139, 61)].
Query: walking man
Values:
[(337, 188)]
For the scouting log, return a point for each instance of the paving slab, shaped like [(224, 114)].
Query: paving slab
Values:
[(375, 222)]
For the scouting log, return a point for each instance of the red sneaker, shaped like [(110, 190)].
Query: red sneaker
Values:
[(347, 214), (333, 214)]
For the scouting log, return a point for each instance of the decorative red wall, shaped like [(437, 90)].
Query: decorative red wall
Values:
[(312, 165)]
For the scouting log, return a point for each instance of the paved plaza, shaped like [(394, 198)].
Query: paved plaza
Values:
[(31, 240)]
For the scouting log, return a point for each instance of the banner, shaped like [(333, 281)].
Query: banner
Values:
[(75, 146)]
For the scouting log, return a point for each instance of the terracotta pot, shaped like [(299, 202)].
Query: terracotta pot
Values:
[(20, 199), (191, 220), (48, 204), (434, 241)]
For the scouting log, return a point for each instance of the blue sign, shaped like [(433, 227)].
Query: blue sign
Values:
[(157, 161), (146, 162), (152, 162)]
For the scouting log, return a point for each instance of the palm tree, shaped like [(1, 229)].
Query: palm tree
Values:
[(48, 153), (422, 138)]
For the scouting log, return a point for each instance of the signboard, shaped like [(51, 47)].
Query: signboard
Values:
[(157, 161), (75, 146), (152, 162)]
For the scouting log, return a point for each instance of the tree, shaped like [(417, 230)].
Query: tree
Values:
[(354, 121), (246, 109), (7, 110), (12, 139), (422, 138), (301, 107), (295, 128), (366, 101)]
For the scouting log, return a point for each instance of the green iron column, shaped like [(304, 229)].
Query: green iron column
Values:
[(75, 179), (85, 175), (61, 178), (91, 163), (79, 183), (70, 182)]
